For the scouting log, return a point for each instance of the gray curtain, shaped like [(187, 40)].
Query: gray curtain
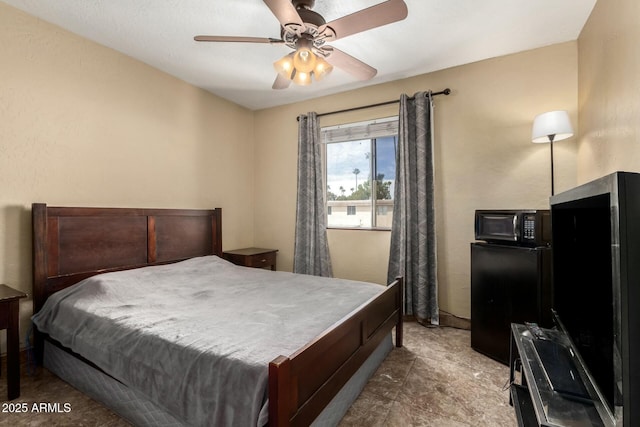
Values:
[(311, 250), (413, 238)]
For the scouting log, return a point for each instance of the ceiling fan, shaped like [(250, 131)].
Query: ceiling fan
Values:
[(307, 33)]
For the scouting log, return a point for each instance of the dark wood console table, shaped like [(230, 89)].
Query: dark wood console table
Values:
[(10, 320), (535, 402)]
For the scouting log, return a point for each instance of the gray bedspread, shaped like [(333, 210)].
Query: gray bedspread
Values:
[(196, 337)]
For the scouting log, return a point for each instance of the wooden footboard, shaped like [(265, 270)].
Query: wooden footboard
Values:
[(303, 384)]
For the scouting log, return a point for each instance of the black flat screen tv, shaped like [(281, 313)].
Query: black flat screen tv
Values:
[(596, 286)]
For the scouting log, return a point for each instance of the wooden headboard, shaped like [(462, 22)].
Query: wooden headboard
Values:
[(73, 243)]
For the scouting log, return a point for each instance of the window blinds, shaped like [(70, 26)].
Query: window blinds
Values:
[(362, 130)]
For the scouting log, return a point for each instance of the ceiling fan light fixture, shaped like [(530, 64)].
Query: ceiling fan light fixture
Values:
[(287, 67)]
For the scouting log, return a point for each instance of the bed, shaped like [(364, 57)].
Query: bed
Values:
[(311, 382)]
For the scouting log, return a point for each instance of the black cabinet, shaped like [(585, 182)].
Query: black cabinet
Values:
[(509, 284)]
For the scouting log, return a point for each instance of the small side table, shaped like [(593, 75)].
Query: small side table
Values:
[(10, 320), (252, 257)]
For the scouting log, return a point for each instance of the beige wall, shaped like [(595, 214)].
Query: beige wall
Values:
[(609, 87), (83, 125), (484, 159)]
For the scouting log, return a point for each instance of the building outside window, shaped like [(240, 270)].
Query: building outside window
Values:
[(360, 174)]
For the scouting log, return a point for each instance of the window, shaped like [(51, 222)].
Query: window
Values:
[(360, 173)]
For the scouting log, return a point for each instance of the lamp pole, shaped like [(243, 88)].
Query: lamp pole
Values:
[(551, 138), (548, 127)]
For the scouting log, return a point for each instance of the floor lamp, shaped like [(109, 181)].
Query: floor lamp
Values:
[(549, 127)]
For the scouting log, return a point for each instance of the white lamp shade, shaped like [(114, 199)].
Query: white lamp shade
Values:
[(551, 123)]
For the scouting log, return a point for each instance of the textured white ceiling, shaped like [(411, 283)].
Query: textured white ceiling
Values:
[(437, 34)]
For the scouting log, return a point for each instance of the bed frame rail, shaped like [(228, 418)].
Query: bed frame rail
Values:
[(301, 385)]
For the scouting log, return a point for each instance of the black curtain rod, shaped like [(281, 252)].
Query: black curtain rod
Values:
[(446, 91)]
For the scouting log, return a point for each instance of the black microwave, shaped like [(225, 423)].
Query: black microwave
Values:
[(515, 227)]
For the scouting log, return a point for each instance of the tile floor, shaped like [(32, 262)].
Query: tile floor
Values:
[(436, 379)]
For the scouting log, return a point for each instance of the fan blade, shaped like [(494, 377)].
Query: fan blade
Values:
[(281, 82), (348, 63), (285, 12), (237, 39), (366, 19)]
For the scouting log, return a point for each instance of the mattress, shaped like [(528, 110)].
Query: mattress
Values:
[(195, 338)]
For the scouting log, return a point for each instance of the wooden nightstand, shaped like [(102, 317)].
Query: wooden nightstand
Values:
[(252, 257), (10, 320)]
